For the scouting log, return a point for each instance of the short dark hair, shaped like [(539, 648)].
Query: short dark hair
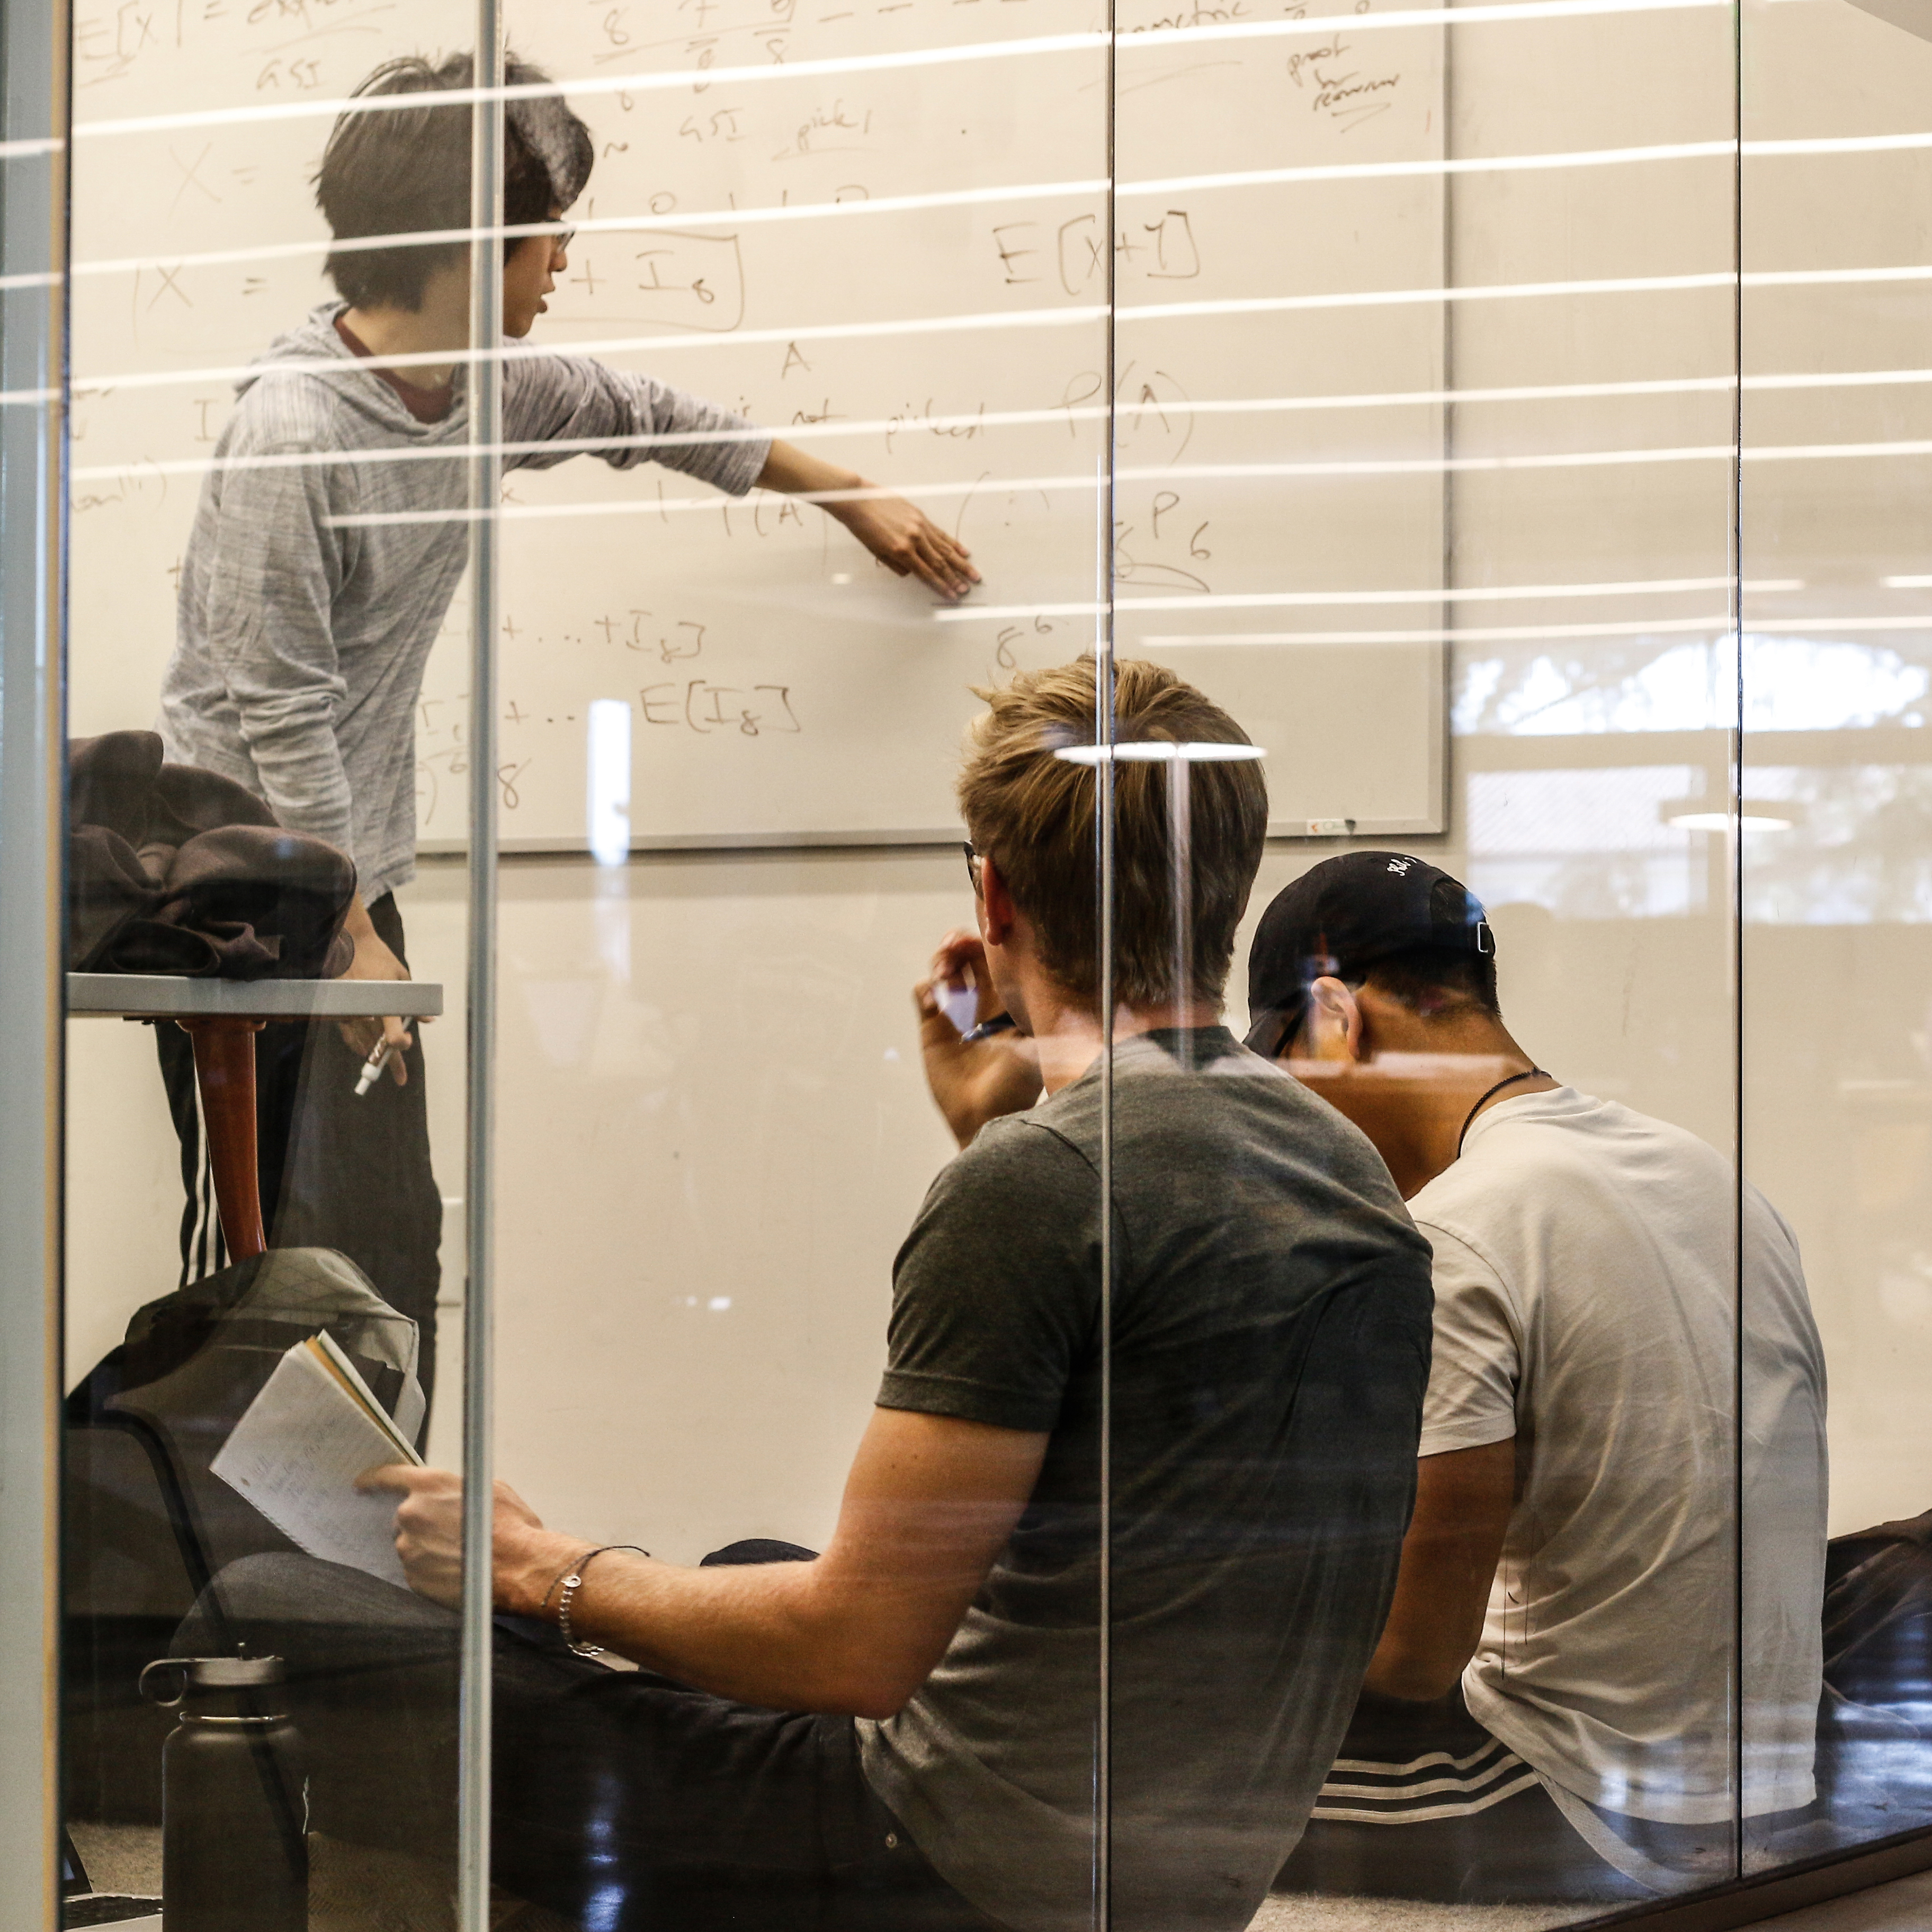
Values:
[(1429, 980), (403, 171), (1034, 813)]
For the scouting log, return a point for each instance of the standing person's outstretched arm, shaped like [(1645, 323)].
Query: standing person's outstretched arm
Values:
[(558, 406)]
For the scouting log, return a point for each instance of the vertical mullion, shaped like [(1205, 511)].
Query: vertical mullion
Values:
[(1734, 927), (1103, 822), (33, 84), (484, 377)]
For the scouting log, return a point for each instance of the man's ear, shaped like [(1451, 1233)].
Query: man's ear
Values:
[(998, 915), (1334, 1028)]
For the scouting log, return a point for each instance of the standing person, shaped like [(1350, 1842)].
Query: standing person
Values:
[(1550, 1711), (902, 1734), (326, 547)]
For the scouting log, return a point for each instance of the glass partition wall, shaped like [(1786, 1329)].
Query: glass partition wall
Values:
[(1312, 496), (1834, 672), (266, 1139)]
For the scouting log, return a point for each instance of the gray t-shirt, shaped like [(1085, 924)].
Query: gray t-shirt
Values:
[(1269, 1351), (328, 542)]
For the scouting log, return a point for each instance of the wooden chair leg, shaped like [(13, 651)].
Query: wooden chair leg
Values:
[(224, 1070)]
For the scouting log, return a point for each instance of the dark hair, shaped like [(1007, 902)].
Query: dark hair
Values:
[(1033, 812), (406, 171), (1431, 980)]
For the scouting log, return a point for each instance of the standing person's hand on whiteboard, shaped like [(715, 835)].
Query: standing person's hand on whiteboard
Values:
[(902, 537)]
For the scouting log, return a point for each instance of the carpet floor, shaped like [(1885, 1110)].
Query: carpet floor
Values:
[(128, 1858)]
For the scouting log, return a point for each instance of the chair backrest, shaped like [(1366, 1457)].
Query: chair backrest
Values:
[(146, 1525)]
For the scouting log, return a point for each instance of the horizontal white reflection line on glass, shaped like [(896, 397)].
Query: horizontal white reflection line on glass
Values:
[(601, 224), (1433, 465), (938, 325), (1029, 319), (1161, 751), (1500, 593), (1473, 633), (21, 151), (1339, 171), (1557, 158), (1906, 583), (1918, 621), (1314, 599), (919, 57), (1718, 623), (1452, 16), (902, 204), (624, 83), (1314, 470), (909, 426), (1013, 319), (1023, 191), (1756, 278), (637, 506), (1667, 385)]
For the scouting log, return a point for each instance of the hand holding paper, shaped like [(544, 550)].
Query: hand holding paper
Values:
[(297, 1452)]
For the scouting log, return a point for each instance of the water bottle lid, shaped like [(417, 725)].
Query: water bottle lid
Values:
[(233, 1673), (210, 1673)]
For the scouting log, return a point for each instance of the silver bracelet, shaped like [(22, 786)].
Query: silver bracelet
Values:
[(573, 1583)]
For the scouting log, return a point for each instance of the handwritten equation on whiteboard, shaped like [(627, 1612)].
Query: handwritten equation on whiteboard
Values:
[(691, 706)]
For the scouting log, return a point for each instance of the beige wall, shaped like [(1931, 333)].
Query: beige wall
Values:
[(709, 1092)]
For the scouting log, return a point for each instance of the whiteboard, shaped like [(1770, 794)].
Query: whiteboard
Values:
[(903, 268)]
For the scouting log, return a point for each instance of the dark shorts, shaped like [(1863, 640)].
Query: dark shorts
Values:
[(620, 1799), (1422, 1802)]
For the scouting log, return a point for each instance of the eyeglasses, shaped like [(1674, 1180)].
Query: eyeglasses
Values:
[(973, 866), (562, 240)]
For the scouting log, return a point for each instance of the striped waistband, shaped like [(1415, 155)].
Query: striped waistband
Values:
[(1365, 1791)]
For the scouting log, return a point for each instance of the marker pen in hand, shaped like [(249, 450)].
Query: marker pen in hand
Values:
[(372, 1067)]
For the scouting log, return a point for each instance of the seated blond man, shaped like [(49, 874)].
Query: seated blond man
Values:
[(905, 1732)]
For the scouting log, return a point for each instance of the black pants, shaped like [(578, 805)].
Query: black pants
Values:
[(336, 1171), (621, 1800)]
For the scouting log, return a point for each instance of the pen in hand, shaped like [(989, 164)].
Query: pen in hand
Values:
[(1000, 1023), (372, 1067)]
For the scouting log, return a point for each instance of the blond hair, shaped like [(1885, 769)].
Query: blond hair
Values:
[(1034, 814)]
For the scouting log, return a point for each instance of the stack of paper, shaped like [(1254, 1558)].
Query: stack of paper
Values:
[(297, 1450)]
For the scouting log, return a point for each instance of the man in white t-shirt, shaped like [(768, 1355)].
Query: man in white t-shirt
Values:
[(1550, 1709)]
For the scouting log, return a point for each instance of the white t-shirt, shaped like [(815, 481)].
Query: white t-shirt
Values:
[(1586, 1304)]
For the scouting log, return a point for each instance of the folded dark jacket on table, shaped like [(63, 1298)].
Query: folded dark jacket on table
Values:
[(174, 870)]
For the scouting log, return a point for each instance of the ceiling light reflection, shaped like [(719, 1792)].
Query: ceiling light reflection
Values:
[(1159, 751)]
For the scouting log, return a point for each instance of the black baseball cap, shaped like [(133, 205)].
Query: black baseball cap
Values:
[(1340, 918)]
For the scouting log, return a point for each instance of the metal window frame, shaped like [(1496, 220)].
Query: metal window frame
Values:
[(34, 103)]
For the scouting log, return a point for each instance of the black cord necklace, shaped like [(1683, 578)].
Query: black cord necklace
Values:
[(1509, 1080)]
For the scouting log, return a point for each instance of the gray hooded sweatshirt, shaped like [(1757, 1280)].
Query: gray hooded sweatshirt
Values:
[(302, 636)]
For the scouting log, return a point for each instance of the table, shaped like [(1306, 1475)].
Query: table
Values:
[(222, 1018)]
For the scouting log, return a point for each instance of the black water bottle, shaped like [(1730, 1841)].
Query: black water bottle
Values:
[(234, 1799)]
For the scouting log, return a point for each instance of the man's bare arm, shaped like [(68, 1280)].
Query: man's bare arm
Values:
[(929, 1503), (1462, 1504)]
